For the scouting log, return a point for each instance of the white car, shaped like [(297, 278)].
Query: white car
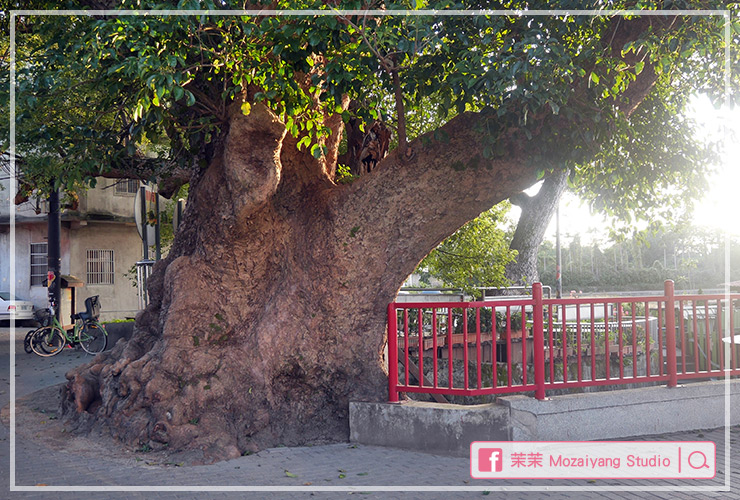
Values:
[(14, 307)]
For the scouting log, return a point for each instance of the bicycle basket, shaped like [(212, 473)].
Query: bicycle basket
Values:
[(92, 306), (43, 316)]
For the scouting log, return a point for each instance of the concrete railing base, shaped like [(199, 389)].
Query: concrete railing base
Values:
[(449, 429), (117, 331)]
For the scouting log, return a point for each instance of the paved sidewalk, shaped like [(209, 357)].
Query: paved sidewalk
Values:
[(322, 471)]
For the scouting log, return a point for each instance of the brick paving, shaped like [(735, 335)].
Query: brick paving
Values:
[(332, 471)]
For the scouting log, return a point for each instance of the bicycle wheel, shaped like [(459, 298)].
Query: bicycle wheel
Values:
[(48, 341), (93, 338), (27, 341)]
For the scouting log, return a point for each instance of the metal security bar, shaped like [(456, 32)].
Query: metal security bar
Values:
[(143, 271), (39, 263), (100, 267)]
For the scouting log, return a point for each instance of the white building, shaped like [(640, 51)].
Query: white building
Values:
[(99, 240)]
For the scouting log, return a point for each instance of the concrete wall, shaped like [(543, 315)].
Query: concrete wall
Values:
[(118, 300), (25, 234), (103, 199), (449, 429), (431, 427), (622, 413)]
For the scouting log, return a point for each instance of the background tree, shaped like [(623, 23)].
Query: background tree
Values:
[(536, 213), (268, 315), (476, 255), (690, 256)]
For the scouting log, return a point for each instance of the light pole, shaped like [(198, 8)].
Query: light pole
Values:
[(558, 256), (54, 280)]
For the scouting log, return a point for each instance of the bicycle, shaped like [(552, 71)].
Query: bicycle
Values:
[(88, 333), (43, 318)]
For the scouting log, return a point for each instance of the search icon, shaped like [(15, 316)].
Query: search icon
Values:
[(700, 462)]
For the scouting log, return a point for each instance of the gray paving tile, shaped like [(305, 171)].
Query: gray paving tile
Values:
[(316, 467)]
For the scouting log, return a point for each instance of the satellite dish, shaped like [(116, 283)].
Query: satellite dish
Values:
[(148, 219), (177, 214)]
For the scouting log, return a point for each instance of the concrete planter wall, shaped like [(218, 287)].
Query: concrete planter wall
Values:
[(449, 429), (117, 331)]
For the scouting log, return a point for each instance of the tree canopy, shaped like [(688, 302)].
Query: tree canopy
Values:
[(108, 86)]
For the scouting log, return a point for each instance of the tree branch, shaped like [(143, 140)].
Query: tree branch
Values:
[(388, 64)]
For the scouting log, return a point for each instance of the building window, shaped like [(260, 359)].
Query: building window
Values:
[(127, 186), (39, 263), (100, 267)]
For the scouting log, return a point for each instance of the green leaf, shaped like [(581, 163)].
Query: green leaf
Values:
[(290, 474), (639, 67), (317, 151), (594, 78), (246, 108)]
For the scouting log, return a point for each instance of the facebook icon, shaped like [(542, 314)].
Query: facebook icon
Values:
[(490, 459)]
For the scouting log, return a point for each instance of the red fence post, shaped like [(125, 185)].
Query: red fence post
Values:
[(670, 334), (393, 353), (538, 334)]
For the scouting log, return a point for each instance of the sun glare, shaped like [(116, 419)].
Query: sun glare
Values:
[(720, 206)]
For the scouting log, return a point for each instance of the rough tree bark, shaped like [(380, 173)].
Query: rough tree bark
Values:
[(537, 212), (268, 316)]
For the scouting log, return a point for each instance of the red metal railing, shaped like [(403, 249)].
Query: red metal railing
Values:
[(536, 344)]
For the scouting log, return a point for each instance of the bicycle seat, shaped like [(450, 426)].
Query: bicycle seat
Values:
[(83, 316), (92, 308)]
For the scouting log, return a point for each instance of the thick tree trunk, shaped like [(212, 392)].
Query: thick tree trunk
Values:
[(537, 212), (268, 316)]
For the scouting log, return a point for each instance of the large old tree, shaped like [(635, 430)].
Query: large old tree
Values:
[(269, 314)]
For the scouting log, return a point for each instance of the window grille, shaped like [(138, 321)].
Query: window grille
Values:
[(39, 263), (128, 186), (100, 269)]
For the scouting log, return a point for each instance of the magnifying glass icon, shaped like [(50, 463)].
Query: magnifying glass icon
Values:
[(699, 462)]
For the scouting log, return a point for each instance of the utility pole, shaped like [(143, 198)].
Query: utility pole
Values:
[(157, 236), (144, 238), (558, 257), (54, 255)]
